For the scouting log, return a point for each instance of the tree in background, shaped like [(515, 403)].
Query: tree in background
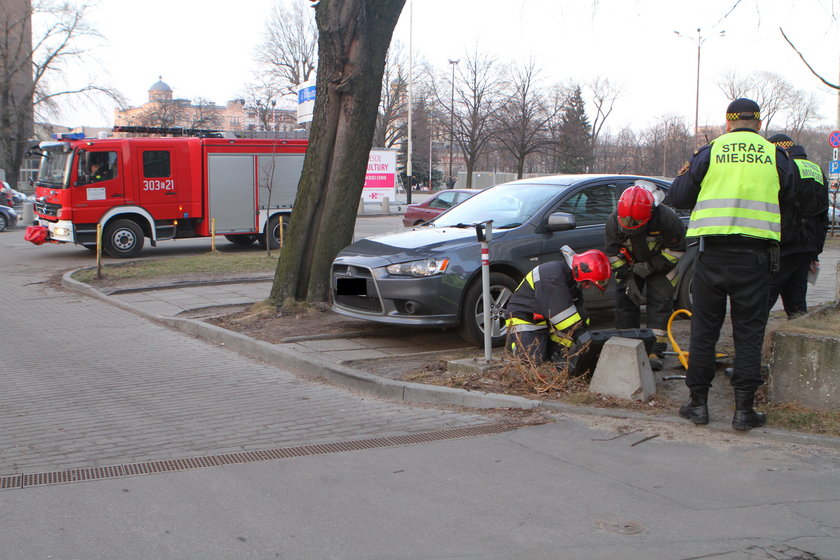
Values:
[(393, 108), (353, 40), (288, 51), (574, 144), (479, 83), (42, 39), (773, 93), (521, 122), (261, 96)]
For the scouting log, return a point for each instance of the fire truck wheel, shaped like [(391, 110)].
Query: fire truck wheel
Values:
[(273, 228), (123, 239), (241, 240)]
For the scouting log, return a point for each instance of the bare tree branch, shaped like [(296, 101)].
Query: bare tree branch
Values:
[(814, 72)]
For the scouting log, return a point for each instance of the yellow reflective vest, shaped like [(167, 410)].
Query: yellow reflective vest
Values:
[(739, 194)]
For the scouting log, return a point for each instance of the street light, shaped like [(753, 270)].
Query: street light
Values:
[(452, 117), (699, 40)]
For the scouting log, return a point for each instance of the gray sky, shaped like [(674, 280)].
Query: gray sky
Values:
[(204, 48)]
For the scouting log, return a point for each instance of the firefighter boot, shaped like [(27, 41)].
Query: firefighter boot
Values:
[(696, 409), (745, 417), (657, 355)]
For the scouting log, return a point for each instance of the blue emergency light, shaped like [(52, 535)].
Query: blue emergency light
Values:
[(68, 135)]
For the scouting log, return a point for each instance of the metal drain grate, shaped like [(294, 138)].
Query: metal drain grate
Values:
[(28, 480)]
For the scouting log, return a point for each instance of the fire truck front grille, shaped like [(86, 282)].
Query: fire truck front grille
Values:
[(47, 209)]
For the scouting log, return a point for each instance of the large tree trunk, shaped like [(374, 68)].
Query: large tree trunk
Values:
[(353, 40)]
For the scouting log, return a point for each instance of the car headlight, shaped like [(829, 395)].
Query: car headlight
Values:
[(427, 267)]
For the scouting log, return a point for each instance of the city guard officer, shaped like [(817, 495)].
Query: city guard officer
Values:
[(736, 187)]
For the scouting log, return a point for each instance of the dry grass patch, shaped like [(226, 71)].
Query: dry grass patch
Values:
[(208, 265)]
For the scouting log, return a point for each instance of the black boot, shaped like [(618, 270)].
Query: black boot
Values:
[(657, 355), (696, 409), (745, 417)]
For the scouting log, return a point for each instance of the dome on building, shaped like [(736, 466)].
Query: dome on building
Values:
[(160, 85), (160, 91)]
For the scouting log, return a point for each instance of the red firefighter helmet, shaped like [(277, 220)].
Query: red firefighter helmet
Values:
[(592, 266), (635, 207)]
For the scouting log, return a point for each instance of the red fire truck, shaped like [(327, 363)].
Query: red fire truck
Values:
[(164, 188)]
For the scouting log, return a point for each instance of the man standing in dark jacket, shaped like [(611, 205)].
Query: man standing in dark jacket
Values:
[(644, 241), (737, 187), (800, 255)]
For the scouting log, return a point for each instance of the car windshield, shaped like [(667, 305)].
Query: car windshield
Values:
[(55, 168), (509, 206)]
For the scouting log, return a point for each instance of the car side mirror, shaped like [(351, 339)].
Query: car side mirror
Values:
[(561, 221)]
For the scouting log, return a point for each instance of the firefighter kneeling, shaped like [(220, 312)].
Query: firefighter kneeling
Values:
[(545, 313)]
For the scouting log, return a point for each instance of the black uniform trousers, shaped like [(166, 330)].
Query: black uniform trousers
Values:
[(791, 282), (739, 271), (659, 303)]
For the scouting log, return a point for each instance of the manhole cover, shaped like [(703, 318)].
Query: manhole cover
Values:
[(619, 527)]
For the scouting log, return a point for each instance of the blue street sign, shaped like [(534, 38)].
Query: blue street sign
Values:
[(834, 167), (834, 139)]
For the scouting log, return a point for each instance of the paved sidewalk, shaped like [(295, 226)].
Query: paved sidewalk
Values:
[(182, 307)]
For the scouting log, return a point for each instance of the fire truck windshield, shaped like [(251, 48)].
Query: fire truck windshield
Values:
[(55, 168)]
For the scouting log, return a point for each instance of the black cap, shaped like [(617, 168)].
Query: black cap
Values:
[(743, 109), (782, 140)]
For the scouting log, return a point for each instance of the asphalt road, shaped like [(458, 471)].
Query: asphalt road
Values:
[(278, 467)]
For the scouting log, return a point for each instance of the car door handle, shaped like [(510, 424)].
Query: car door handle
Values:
[(117, 195)]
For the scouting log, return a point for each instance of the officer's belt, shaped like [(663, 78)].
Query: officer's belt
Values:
[(735, 241)]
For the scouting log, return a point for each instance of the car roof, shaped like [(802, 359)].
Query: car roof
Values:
[(568, 180)]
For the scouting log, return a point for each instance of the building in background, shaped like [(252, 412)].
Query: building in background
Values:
[(164, 110)]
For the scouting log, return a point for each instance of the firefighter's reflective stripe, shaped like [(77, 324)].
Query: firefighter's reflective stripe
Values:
[(562, 340), (515, 325), (566, 318), (672, 256), (617, 262)]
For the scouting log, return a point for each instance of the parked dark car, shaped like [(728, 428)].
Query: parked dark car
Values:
[(435, 205), (8, 217), (431, 275)]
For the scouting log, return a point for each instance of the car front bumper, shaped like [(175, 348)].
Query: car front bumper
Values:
[(367, 292)]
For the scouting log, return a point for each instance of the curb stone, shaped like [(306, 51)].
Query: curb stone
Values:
[(408, 392)]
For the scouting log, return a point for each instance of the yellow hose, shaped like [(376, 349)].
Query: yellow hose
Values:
[(683, 354)]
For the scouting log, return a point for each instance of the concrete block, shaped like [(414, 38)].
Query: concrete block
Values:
[(623, 371), (805, 368), (385, 205)]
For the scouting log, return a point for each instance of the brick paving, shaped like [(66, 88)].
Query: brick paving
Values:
[(84, 383)]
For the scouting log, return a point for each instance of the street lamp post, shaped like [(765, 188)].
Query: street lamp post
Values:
[(699, 40), (452, 116)]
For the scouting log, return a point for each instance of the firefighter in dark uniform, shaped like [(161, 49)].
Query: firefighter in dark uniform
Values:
[(546, 313), (644, 242), (800, 255), (737, 187)]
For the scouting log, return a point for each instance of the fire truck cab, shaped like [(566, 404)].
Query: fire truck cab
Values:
[(166, 188)]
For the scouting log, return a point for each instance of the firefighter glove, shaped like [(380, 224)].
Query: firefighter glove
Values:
[(642, 269), (621, 274)]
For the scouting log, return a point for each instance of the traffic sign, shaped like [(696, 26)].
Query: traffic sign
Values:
[(834, 139), (834, 169)]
